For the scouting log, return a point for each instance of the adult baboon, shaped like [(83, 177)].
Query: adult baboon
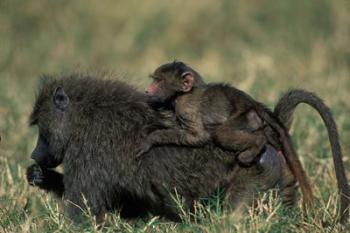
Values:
[(91, 126)]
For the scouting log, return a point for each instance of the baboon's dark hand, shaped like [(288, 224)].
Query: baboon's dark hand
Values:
[(35, 175), (142, 149)]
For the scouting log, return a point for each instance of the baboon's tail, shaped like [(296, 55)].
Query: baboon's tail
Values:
[(284, 111), (289, 153)]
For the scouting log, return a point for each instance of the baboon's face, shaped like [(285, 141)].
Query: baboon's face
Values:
[(51, 116), (170, 80)]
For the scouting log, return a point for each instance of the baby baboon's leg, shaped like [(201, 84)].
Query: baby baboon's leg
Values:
[(243, 133), (248, 144)]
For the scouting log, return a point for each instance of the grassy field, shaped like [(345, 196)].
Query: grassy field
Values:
[(263, 47)]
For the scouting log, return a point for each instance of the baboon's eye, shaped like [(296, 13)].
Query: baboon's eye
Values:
[(157, 79), (44, 139)]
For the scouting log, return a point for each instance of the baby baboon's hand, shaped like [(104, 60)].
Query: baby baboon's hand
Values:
[(144, 147)]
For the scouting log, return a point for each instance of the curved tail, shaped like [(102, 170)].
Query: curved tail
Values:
[(284, 111)]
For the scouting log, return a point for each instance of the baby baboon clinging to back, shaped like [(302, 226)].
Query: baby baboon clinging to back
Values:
[(205, 112)]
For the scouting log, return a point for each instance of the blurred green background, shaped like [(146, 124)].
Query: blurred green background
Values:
[(264, 47)]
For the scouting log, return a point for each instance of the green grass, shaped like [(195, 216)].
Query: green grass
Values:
[(263, 47)]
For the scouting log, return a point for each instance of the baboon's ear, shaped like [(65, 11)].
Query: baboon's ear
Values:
[(60, 99), (187, 81)]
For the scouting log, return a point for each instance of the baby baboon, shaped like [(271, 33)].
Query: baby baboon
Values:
[(205, 112), (220, 112)]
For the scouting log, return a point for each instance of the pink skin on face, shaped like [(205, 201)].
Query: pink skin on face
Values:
[(152, 89)]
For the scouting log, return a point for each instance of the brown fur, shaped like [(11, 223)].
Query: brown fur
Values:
[(106, 118)]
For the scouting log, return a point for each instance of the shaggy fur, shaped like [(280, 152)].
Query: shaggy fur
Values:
[(95, 138)]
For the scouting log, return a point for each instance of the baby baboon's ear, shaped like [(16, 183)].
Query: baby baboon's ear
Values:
[(60, 99), (187, 81)]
